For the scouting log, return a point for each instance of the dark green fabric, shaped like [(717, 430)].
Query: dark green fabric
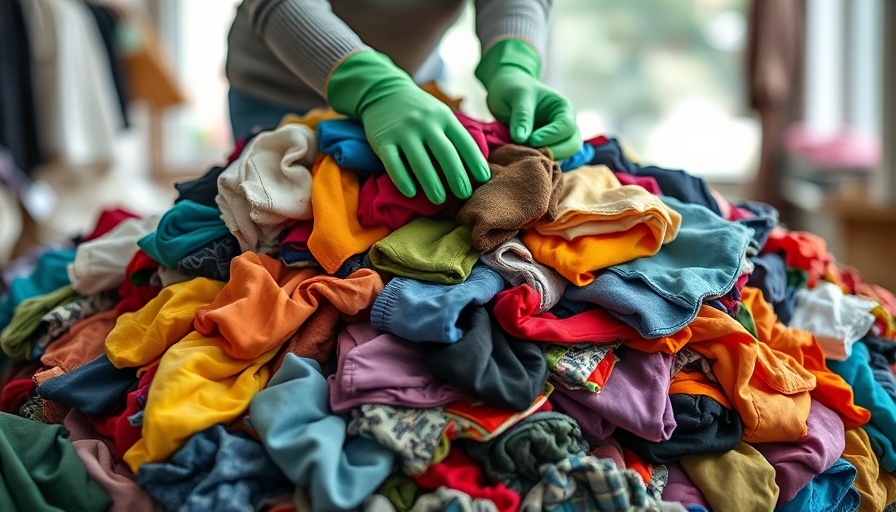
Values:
[(401, 490), (745, 317), (41, 471)]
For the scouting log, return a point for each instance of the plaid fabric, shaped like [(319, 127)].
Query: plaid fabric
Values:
[(585, 484)]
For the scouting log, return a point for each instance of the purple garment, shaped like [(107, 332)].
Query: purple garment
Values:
[(635, 398), (680, 488), (375, 368), (797, 463)]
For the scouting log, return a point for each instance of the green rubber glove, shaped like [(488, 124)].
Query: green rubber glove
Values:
[(537, 115), (404, 123)]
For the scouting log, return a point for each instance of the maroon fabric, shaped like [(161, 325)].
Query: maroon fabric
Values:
[(15, 394)]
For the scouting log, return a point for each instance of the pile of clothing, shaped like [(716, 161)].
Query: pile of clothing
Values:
[(592, 334)]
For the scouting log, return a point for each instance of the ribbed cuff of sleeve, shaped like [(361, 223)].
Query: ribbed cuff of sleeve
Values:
[(520, 19), (309, 39)]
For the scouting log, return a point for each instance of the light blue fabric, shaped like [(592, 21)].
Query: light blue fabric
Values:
[(660, 294), (346, 141), (582, 157), (184, 229), (831, 491), (308, 442), (422, 311), (869, 394), (215, 471), (49, 274)]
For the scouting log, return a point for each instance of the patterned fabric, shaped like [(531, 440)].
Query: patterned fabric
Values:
[(586, 483), (580, 366), (687, 358), (414, 434), (212, 261), (659, 477), (59, 320), (447, 499)]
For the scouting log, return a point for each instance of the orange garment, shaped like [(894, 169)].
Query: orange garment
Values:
[(141, 337), (577, 259), (211, 375), (769, 389), (802, 250), (697, 384), (310, 118), (876, 486), (337, 235), (83, 343), (282, 299), (831, 390)]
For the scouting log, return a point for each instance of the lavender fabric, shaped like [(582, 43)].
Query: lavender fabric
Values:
[(680, 488), (635, 398), (382, 368), (797, 463)]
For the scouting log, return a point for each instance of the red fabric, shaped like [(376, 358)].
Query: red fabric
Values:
[(600, 140), (635, 462), (648, 183), (731, 300), (802, 250), (459, 472), (125, 434), (488, 136), (381, 204), (15, 394), (104, 425), (297, 236), (134, 292), (108, 220), (517, 311)]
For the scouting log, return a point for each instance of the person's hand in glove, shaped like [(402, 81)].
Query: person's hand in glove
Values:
[(537, 115), (403, 123)]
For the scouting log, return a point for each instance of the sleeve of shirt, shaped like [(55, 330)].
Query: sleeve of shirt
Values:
[(305, 35), (522, 19)]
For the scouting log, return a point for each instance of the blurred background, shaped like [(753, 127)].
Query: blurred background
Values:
[(788, 102)]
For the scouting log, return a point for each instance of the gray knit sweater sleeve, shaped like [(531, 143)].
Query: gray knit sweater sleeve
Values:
[(305, 35), (528, 20)]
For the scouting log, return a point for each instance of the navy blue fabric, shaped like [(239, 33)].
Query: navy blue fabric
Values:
[(96, 389)]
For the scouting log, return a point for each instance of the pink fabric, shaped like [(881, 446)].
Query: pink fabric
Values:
[(297, 236), (381, 204), (647, 182), (488, 136)]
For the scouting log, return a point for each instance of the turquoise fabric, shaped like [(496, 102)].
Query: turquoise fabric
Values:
[(49, 274), (184, 229), (41, 472), (857, 372), (309, 443), (831, 491)]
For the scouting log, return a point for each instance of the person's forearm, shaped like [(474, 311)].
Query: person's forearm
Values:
[(305, 35), (522, 19)]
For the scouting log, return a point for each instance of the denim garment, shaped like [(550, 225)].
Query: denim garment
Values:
[(185, 228), (674, 183), (765, 219), (346, 141), (249, 115), (869, 394), (660, 294), (95, 389), (422, 311), (309, 443), (831, 491), (214, 471)]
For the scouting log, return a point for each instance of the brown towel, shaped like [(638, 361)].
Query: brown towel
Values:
[(524, 188)]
